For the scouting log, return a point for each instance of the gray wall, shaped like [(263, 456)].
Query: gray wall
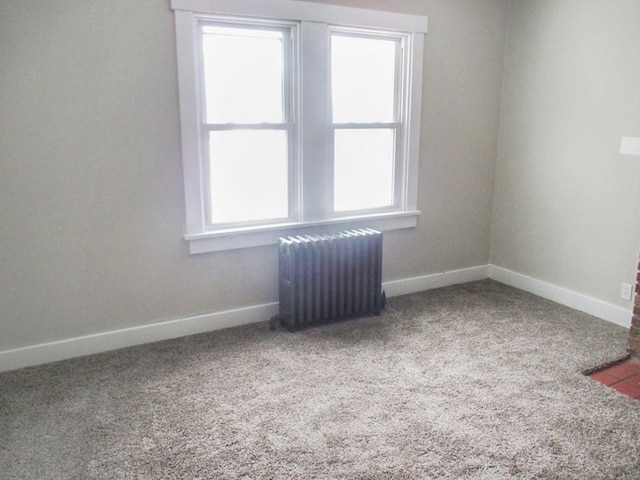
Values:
[(567, 205), (91, 199)]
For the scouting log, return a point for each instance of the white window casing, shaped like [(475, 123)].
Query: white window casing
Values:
[(309, 113)]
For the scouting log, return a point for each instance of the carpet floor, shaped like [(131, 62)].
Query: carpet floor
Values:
[(474, 381)]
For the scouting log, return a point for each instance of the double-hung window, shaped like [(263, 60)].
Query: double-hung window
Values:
[(249, 125), (296, 116)]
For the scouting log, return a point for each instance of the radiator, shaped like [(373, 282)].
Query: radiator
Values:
[(329, 277)]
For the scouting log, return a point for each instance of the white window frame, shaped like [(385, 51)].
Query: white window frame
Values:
[(399, 122), (313, 201), (289, 124)]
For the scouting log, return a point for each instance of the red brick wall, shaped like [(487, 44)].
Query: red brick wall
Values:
[(634, 331)]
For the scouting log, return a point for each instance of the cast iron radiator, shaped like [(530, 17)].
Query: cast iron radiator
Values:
[(328, 277)]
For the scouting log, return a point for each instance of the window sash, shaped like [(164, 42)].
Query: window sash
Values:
[(400, 75), (401, 200), (400, 113), (253, 175), (359, 189), (207, 31), (289, 122)]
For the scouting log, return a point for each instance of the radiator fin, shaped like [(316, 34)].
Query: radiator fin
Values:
[(326, 277)]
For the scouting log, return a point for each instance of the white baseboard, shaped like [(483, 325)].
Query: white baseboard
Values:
[(435, 280), (102, 342), (577, 301)]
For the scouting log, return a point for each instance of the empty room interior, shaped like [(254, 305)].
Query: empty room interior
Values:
[(154, 155)]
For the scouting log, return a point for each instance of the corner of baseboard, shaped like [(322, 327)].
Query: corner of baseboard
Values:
[(577, 301), (101, 342)]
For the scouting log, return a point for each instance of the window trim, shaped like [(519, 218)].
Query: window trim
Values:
[(256, 236), (312, 16)]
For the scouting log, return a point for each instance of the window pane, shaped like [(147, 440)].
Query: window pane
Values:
[(363, 169), (243, 75), (363, 72), (249, 179)]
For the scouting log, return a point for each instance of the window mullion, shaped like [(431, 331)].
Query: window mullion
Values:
[(413, 51), (317, 171), (291, 109)]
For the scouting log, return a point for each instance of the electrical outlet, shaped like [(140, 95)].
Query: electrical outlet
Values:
[(630, 146), (625, 292)]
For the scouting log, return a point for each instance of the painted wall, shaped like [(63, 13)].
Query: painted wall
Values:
[(91, 199), (567, 204)]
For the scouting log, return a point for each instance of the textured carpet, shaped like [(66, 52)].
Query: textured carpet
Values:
[(476, 381)]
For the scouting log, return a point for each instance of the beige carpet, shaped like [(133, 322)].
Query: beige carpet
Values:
[(476, 381)]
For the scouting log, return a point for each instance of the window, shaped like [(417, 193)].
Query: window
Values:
[(364, 99), (248, 120), (296, 115)]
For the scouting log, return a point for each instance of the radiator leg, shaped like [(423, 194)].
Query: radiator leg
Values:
[(276, 320)]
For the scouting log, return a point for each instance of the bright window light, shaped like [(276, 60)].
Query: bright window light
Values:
[(363, 93), (248, 174), (243, 80), (363, 72), (363, 169), (243, 75)]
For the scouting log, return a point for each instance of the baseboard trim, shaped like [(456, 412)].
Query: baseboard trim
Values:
[(127, 337), (435, 280), (577, 301), (102, 342)]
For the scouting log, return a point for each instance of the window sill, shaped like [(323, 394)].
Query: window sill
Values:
[(259, 236)]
